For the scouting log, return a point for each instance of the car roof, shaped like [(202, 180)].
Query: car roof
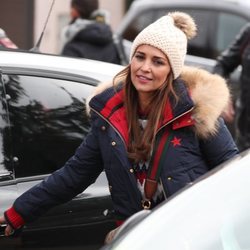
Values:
[(197, 2), (24, 62), (235, 6)]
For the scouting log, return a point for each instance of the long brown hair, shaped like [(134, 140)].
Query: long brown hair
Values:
[(141, 142)]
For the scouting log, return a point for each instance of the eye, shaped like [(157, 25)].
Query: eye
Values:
[(158, 62), (139, 57)]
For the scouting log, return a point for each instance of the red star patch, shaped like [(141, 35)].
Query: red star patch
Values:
[(176, 141)]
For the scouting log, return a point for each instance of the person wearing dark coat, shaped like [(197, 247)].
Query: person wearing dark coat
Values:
[(89, 35), (238, 54), (154, 130)]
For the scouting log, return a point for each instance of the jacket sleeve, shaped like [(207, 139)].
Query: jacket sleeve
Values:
[(76, 175), (220, 147), (230, 59)]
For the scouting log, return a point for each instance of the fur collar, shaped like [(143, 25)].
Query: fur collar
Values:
[(209, 93)]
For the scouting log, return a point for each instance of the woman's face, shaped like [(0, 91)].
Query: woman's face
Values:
[(149, 69)]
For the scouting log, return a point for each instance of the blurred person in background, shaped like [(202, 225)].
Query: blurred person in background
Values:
[(89, 35), (238, 54)]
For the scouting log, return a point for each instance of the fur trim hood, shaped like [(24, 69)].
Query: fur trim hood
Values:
[(209, 93)]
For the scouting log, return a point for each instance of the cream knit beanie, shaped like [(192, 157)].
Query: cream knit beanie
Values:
[(169, 34)]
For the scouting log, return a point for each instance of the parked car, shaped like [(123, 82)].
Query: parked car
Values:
[(218, 22), (211, 214), (43, 119)]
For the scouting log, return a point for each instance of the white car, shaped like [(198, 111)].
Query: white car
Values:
[(211, 214)]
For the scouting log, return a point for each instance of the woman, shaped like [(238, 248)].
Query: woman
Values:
[(155, 131)]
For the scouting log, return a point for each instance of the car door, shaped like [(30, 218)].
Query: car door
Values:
[(47, 121)]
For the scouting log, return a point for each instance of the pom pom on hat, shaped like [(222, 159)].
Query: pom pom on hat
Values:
[(170, 34)]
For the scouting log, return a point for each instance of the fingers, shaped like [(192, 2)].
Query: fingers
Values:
[(110, 236), (9, 231), (2, 220)]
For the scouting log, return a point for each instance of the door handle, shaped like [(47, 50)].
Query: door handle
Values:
[(2, 230)]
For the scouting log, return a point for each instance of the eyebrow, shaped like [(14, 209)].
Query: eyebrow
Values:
[(155, 57)]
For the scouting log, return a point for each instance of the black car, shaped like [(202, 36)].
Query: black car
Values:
[(42, 121)]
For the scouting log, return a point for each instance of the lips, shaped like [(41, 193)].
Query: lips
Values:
[(143, 79)]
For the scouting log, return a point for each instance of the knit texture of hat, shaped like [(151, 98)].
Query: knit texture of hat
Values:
[(170, 34)]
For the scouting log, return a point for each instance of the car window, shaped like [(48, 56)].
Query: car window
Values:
[(196, 46), (139, 23), (228, 27), (48, 121), (200, 44)]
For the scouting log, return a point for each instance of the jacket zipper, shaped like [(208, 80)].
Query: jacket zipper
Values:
[(177, 117), (105, 119), (98, 113), (156, 131), (164, 191)]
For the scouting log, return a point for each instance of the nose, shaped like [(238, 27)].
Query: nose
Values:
[(146, 66)]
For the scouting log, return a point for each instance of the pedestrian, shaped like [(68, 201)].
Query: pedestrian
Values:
[(89, 34), (238, 54), (154, 130)]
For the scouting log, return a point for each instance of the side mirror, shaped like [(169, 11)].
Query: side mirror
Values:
[(6, 176)]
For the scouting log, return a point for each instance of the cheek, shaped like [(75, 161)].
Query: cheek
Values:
[(132, 77), (133, 69), (162, 76), (133, 64)]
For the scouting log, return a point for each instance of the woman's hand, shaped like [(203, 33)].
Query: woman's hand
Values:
[(8, 230)]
